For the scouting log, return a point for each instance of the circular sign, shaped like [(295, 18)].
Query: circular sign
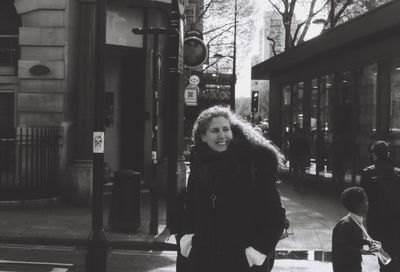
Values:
[(194, 79), (195, 52)]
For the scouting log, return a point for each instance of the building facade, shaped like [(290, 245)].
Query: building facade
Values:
[(47, 81), (272, 27), (342, 89)]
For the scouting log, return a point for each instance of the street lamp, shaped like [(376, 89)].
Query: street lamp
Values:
[(234, 59), (155, 31)]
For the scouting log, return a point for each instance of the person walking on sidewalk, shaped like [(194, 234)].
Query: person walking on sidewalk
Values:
[(233, 215), (300, 156), (381, 182), (347, 235)]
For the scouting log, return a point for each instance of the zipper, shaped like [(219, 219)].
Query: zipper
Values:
[(213, 198)]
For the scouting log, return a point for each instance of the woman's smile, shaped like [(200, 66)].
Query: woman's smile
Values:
[(218, 134)]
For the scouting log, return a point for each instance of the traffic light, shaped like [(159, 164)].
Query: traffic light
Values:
[(254, 101)]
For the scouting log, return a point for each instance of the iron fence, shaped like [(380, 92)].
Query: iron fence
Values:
[(29, 163)]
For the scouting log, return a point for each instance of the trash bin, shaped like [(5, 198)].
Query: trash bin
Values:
[(125, 201)]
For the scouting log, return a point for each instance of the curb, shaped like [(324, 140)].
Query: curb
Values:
[(31, 203), (312, 255), (81, 242)]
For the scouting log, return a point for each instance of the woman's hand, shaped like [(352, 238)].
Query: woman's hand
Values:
[(254, 257), (186, 244)]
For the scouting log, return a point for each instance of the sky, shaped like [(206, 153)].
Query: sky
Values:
[(243, 84)]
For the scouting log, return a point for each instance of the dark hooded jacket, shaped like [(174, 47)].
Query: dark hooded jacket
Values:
[(381, 182), (232, 203)]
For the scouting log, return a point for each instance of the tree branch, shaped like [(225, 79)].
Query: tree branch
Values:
[(204, 11), (273, 44), (230, 24), (337, 17), (275, 7), (219, 34)]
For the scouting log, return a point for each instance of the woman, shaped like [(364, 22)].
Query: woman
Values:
[(233, 215)]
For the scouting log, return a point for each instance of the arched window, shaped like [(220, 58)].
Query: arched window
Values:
[(10, 22)]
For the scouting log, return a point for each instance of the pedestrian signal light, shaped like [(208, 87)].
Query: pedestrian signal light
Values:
[(254, 101)]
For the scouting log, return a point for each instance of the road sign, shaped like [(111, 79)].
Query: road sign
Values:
[(195, 51)]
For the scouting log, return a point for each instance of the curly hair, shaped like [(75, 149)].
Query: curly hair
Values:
[(243, 131)]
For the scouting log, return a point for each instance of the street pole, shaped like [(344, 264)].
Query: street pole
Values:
[(233, 88), (156, 31), (153, 227), (96, 255), (175, 68)]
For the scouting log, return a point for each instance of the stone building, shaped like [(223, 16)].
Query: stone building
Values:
[(47, 94)]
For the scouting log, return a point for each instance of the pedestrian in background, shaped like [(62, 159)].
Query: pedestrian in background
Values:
[(347, 236), (381, 182), (233, 215), (300, 157)]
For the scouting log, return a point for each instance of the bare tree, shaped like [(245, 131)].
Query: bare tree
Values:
[(336, 12), (218, 32), (295, 31), (340, 11)]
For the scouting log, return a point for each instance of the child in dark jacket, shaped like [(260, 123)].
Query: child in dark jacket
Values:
[(348, 237)]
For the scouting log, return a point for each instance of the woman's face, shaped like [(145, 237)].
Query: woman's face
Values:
[(219, 134)]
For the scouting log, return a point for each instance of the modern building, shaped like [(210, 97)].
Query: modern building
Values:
[(273, 28), (342, 88), (47, 94)]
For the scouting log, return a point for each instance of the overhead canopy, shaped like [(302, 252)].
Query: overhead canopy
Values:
[(143, 3)]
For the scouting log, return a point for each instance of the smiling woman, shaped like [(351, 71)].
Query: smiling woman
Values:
[(218, 134), (233, 215)]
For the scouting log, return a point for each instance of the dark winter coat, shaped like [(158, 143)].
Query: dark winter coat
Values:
[(246, 211), (383, 220), (347, 242)]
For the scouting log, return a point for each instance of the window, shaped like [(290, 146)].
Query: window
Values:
[(395, 96), (367, 111), (298, 95), (367, 96), (9, 25), (326, 83)]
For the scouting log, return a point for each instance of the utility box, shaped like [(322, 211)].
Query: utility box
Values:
[(125, 201)]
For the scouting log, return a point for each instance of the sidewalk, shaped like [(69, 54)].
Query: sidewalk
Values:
[(312, 217), (71, 225)]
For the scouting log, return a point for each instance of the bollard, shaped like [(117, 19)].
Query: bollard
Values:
[(125, 201)]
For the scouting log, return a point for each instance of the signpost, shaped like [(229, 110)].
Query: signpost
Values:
[(191, 91), (96, 255)]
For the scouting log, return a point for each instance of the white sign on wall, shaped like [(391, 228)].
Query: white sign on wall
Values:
[(98, 141)]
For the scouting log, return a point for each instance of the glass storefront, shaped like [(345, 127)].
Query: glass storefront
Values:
[(394, 115), (342, 118), (298, 95), (367, 112)]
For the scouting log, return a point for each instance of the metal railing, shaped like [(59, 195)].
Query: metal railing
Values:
[(29, 163)]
